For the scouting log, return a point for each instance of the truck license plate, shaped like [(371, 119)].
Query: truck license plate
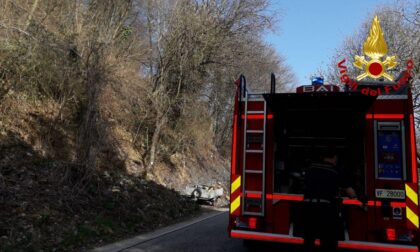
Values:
[(390, 194)]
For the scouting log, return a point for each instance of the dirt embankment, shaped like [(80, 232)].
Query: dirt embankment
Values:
[(50, 202)]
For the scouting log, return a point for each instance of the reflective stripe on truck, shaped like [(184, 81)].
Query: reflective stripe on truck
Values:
[(367, 246)]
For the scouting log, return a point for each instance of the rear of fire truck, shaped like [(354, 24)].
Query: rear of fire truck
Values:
[(277, 135)]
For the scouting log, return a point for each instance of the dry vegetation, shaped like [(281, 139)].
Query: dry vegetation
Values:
[(104, 101)]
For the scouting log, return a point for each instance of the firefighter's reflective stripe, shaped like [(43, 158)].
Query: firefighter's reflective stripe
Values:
[(235, 185), (235, 194), (235, 204), (411, 209)]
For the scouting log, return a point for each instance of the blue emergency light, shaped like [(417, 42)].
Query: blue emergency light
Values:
[(317, 81)]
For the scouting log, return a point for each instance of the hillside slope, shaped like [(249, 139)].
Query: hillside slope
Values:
[(51, 202)]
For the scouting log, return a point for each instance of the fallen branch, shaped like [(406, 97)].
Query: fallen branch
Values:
[(16, 29)]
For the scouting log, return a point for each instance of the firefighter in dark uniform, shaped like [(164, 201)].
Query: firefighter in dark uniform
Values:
[(323, 180)]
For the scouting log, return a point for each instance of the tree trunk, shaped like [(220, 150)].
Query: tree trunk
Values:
[(155, 141), (34, 6), (89, 138)]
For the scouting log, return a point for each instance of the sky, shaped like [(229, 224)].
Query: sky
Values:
[(310, 31)]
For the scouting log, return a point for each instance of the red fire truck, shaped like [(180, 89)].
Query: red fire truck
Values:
[(276, 136)]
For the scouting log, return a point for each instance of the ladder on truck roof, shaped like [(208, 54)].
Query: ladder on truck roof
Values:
[(253, 184)]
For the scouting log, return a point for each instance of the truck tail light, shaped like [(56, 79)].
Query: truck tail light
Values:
[(245, 222), (252, 223), (391, 234)]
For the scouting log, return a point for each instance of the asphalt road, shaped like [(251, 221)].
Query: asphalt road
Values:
[(209, 235)]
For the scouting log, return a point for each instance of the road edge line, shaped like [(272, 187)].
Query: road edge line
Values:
[(139, 239)]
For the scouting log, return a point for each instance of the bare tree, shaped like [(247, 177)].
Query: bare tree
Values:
[(401, 29), (172, 63), (197, 49)]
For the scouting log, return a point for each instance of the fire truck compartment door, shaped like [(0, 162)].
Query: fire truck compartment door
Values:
[(389, 150)]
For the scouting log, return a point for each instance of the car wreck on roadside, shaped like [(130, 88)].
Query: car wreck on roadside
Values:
[(205, 193)]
